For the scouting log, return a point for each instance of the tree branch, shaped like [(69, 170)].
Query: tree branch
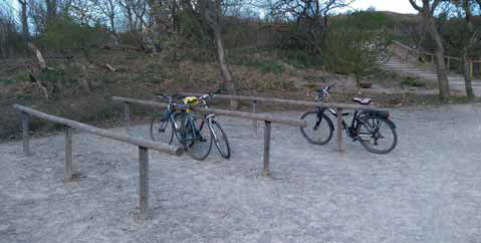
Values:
[(434, 6), (415, 5)]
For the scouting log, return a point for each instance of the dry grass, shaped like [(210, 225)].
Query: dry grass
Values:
[(141, 76)]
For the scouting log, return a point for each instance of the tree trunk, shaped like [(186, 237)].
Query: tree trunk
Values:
[(51, 10), (231, 85), (468, 78), (38, 54), (470, 41), (443, 81), (24, 18), (212, 15)]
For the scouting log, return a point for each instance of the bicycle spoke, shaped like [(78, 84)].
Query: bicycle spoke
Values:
[(376, 135)]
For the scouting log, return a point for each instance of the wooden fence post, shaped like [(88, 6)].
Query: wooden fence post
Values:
[(68, 153), (471, 69), (144, 181), (267, 148), (448, 66), (339, 130), (25, 134), (254, 110), (126, 116)]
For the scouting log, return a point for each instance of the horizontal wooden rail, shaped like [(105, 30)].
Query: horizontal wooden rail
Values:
[(267, 119), (103, 133), (143, 145), (246, 115), (288, 102), (410, 49)]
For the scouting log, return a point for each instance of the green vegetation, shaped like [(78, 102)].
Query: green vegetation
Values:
[(412, 82), (259, 59), (65, 35), (354, 46)]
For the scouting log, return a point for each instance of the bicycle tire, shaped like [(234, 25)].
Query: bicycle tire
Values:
[(200, 143), (372, 125), (309, 131), (177, 128), (221, 137), (159, 129)]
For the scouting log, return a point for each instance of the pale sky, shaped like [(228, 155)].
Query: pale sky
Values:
[(399, 6)]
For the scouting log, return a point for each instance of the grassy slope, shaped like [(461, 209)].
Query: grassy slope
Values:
[(264, 72)]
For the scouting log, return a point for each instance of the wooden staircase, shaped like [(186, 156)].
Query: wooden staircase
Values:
[(404, 61)]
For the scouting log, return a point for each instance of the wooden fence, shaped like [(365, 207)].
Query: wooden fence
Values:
[(267, 119), (339, 107), (144, 146), (416, 53)]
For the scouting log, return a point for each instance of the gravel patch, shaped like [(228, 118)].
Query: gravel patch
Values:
[(427, 190)]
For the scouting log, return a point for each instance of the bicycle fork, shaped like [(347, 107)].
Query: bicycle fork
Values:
[(210, 119)]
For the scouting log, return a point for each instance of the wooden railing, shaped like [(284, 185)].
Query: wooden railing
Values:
[(267, 119), (255, 100), (416, 53), (144, 146)]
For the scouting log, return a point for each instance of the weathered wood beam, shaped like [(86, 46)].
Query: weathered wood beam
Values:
[(101, 132), (144, 182), (247, 115), (127, 116), (267, 148), (254, 110), (68, 153), (288, 102), (25, 134), (339, 130)]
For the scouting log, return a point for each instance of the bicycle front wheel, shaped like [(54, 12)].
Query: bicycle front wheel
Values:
[(161, 129), (199, 138), (376, 134), (318, 129), (220, 140)]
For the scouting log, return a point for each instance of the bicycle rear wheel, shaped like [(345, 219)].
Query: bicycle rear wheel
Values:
[(376, 134), (220, 140), (161, 129), (199, 139), (318, 129)]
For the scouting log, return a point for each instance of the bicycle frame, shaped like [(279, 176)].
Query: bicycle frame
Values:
[(181, 132), (188, 118), (349, 129)]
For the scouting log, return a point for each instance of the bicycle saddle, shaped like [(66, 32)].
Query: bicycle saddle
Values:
[(362, 101)]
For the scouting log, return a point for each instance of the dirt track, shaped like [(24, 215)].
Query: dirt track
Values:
[(427, 190)]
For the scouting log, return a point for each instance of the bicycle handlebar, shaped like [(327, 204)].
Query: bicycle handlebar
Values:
[(210, 94)]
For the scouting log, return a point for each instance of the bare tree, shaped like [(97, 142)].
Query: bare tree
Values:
[(51, 6), (24, 18), (212, 13), (470, 40), (209, 15), (8, 31), (427, 10), (135, 14), (311, 17)]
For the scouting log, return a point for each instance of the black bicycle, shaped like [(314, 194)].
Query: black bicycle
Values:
[(373, 129), (178, 120), (194, 132)]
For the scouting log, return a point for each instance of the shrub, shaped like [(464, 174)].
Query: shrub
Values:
[(65, 35), (412, 82), (355, 47)]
